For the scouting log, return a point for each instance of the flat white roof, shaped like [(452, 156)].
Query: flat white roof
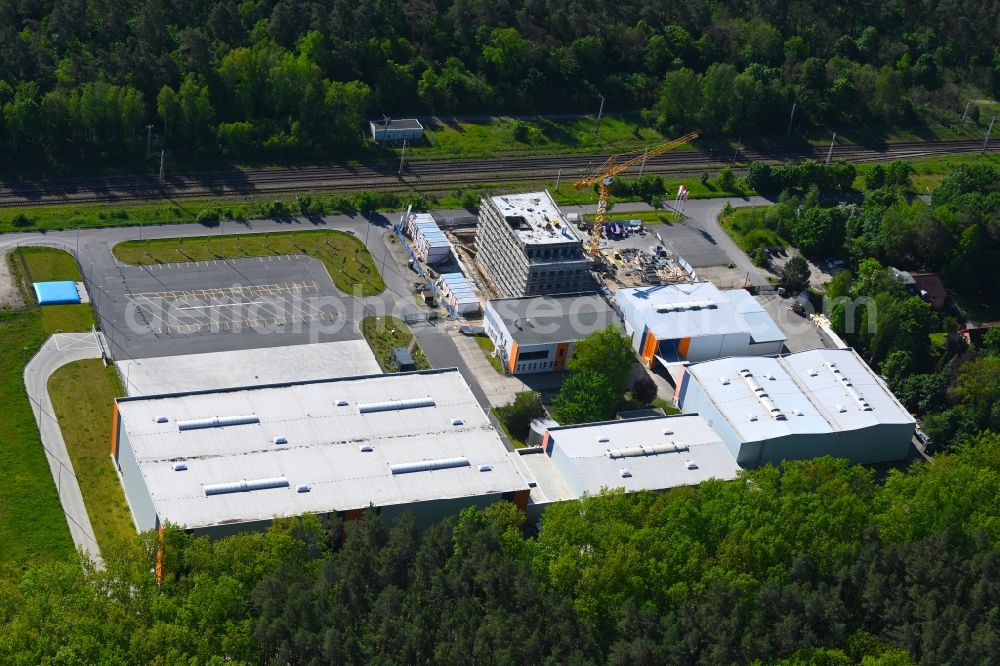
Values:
[(271, 365), (658, 453), (441, 430), (547, 484), (537, 218), (693, 309), (805, 391)]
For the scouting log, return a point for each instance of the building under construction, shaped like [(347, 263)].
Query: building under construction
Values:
[(527, 247)]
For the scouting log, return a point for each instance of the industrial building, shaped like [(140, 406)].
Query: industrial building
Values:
[(405, 129), (222, 461), (528, 248), (653, 453), (800, 406), (458, 294), (429, 242), (537, 333), (244, 367), (696, 321)]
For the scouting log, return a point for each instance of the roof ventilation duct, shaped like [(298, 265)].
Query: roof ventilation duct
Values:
[(429, 465), (395, 405), (244, 486)]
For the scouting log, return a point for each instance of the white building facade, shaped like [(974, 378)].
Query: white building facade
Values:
[(696, 321), (538, 333), (799, 406)]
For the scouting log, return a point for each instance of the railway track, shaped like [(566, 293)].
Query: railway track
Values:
[(437, 173)]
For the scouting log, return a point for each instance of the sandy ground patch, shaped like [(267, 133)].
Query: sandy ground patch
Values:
[(10, 295)]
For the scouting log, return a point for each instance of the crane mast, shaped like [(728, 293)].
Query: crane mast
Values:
[(604, 178)]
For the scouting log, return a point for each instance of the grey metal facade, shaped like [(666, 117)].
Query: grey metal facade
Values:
[(136, 493)]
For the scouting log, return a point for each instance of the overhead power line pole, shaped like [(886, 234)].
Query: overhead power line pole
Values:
[(600, 114), (989, 131), (829, 153), (791, 117)]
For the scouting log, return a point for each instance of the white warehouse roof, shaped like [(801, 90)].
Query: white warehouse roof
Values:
[(381, 439), (692, 309), (640, 454), (818, 391), (244, 367)]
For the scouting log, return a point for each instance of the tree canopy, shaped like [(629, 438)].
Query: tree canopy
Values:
[(83, 79), (813, 562)]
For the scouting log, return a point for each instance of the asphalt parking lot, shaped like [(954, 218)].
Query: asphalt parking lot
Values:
[(696, 246), (802, 334), (212, 306)]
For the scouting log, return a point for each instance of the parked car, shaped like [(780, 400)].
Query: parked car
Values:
[(471, 330)]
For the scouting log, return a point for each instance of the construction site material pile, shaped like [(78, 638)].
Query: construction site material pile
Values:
[(634, 267)]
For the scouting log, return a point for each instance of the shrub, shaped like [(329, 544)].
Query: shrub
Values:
[(208, 216), (21, 221), (276, 209), (520, 131), (518, 415), (470, 200), (727, 180), (644, 389)]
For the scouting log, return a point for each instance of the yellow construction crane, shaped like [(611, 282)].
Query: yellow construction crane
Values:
[(611, 170)]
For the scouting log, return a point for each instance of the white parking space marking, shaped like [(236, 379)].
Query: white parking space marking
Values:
[(229, 308)]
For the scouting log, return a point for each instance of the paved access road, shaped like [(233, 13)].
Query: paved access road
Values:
[(111, 284), (60, 349)]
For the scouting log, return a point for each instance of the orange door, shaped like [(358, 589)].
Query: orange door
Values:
[(649, 349), (562, 350)]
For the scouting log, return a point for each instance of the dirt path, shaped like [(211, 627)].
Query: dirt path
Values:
[(10, 295)]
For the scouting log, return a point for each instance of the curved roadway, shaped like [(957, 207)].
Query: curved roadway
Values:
[(60, 349)]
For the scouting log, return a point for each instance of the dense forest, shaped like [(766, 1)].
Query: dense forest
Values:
[(921, 352), (814, 563), (82, 79)]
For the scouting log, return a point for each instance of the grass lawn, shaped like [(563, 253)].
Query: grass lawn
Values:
[(42, 264), (70, 318), (930, 171), (82, 394), (345, 257), (667, 408), (32, 525), (385, 333), (748, 228), (488, 348), (534, 136)]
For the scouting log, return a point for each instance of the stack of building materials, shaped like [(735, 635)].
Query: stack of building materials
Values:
[(458, 293), (429, 242)]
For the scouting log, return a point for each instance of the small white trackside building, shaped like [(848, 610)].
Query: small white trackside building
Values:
[(403, 129), (696, 322), (800, 406)]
